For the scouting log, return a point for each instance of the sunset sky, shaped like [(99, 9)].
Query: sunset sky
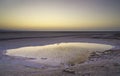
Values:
[(60, 15)]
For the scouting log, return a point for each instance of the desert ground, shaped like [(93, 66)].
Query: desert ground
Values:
[(105, 63)]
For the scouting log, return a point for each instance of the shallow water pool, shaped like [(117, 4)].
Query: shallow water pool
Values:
[(59, 53)]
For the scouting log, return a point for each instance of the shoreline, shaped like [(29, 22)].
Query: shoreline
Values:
[(98, 65)]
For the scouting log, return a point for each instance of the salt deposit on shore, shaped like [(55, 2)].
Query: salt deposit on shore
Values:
[(60, 53)]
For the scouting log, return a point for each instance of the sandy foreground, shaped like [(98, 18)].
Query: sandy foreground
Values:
[(105, 63)]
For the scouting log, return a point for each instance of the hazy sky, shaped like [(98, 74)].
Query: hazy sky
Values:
[(60, 15)]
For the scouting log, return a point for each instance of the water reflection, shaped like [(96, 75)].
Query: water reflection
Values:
[(60, 53)]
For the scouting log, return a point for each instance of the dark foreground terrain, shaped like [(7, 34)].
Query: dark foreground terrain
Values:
[(105, 63)]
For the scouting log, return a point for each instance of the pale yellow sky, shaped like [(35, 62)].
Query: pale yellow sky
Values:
[(59, 15)]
